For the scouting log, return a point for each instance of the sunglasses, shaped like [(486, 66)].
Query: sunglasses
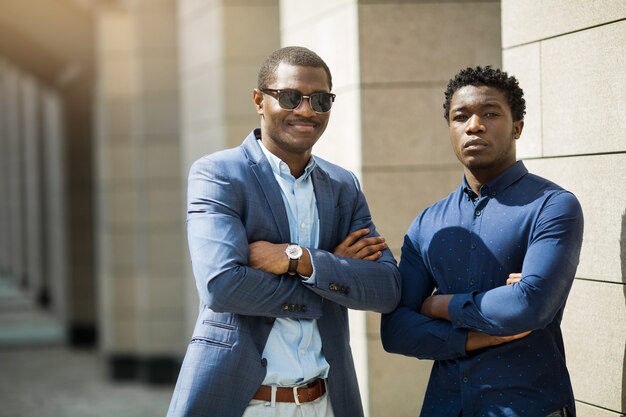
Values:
[(291, 99)]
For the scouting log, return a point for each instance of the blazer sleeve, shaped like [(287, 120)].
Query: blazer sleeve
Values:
[(356, 283), (218, 247)]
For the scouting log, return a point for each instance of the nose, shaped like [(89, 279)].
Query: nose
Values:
[(474, 124), (305, 106)]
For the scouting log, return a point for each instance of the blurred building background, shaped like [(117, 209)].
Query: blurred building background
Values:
[(104, 105)]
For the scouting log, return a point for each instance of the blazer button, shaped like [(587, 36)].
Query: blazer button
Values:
[(303, 308), (264, 363), (285, 307), (333, 287), (346, 290)]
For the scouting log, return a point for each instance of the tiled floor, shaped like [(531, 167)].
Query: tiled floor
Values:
[(58, 382), (40, 377)]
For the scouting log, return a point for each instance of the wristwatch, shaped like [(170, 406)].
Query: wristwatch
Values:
[(294, 253)]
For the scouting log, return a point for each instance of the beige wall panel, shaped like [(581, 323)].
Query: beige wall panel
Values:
[(239, 127), (398, 383), (243, 21), (296, 14), (583, 84), (396, 198), (163, 205), (121, 248), (524, 62), (404, 127), (401, 33), (335, 39), (125, 335), (189, 8), (163, 246), (116, 79), (119, 205), (200, 39), (603, 253), (162, 335), (202, 99), (114, 31), (341, 143), (162, 163), (156, 28), (160, 74), (586, 410), (594, 332), (532, 20), (115, 120), (158, 119), (115, 163), (240, 81)]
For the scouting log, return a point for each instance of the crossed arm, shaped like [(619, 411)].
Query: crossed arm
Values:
[(270, 257), (436, 307)]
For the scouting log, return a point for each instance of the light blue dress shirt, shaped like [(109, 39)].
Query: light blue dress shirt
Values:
[(294, 347)]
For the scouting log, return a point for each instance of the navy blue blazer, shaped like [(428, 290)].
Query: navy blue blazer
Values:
[(234, 199)]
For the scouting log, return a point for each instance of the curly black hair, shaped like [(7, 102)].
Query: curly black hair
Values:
[(490, 77), (292, 55)]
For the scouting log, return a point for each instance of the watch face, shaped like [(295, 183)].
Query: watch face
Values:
[(294, 251)]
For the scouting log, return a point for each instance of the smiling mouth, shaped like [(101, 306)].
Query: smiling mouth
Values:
[(302, 125)]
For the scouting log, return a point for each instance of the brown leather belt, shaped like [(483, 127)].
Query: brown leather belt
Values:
[(302, 394)]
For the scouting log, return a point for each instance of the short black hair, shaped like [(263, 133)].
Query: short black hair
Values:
[(490, 77), (292, 55)]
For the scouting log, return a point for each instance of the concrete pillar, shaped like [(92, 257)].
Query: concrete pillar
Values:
[(221, 51), (14, 168), (5, 219), (141, 214), (391, 62), (54, 196), (30, 119), (569, 56)]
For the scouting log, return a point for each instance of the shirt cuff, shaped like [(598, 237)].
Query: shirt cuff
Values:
[(309, 280), (455, 309)]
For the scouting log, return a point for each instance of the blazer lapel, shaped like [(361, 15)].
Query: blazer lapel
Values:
[(325, 206), (264, 175)]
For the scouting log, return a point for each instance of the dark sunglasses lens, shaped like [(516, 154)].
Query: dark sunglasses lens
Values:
[(289, 100), (321, 102)]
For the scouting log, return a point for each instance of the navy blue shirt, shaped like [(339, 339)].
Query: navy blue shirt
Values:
[(467, 245)]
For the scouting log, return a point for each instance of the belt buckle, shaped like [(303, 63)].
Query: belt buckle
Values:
[(295, 395)]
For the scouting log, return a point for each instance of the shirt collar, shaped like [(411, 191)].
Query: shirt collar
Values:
[(280, 168), (499, 183)]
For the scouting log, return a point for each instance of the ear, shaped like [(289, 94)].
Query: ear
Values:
[(518, 126), (257, 99)]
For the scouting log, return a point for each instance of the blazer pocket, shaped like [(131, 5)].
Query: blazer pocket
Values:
[(206, 341), (215, 333)]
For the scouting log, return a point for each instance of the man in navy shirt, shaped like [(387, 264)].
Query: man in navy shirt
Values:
[(494, 333)]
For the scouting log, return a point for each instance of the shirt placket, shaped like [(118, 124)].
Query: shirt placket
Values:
[(465, 367)]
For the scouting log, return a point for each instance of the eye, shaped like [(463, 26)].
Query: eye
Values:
[(459, 118), (491, 115)]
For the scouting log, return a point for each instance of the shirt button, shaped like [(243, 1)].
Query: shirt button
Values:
[(465, 380), (302, 352), (478, 212), (472, 282), (302, 225)]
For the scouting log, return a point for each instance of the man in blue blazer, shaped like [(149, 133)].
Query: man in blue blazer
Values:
[(282, 243)]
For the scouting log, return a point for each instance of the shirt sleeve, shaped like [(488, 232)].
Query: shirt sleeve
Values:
[(547, 275), (405, 330)]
